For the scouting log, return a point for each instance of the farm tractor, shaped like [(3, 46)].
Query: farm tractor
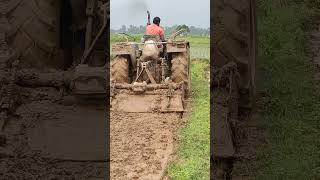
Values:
[(151, 76)]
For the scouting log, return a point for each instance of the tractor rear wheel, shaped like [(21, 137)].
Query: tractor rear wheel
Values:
[(180, 68), (120, 70), (234, 23), (33, 32)]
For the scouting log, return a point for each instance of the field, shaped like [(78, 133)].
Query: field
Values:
[(191, 144), (200, 46)]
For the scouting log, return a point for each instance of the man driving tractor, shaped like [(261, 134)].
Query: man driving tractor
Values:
[(155, 28)]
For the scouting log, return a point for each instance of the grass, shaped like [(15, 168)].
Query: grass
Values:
[(121, 38), (194, 40), (197, 41), (193, 154), (292, 109)]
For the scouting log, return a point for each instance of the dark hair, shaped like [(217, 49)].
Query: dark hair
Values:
[(156, 20)]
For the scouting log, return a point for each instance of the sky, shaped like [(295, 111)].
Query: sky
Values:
[(134, 12)]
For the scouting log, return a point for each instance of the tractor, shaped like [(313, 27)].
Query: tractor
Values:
[(150, 76)]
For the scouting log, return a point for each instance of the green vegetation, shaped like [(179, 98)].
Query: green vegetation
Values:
[(197, 41), (200, 46), (194, 31), (194, 40), (114, 38), (193, 154), (292, 109)]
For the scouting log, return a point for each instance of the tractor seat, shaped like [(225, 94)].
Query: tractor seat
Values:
[(155, 38)]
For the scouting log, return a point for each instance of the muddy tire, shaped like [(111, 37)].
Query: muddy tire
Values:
[(234, 39), (180, 68), (120, 70), (33, 32)]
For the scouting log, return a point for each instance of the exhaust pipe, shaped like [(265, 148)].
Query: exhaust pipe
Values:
[(148, 18)]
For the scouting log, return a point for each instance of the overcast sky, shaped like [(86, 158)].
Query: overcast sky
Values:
[(189, 12)]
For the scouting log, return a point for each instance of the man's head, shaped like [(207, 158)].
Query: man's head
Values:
[(156, 21)]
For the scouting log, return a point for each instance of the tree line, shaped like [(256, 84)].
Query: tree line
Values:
[(192, 30)]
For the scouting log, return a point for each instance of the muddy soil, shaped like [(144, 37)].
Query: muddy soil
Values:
[(34, 167), (249, 142), (238, 135), (36, 150), (142, 144)]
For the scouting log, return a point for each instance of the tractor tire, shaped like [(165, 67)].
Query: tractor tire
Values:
[(234, 39), (33, 32), (180, 68), (120, 70)]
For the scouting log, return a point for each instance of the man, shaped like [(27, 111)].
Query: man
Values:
[(155, 29)]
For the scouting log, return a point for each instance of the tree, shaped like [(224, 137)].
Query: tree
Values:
[(180, 27)]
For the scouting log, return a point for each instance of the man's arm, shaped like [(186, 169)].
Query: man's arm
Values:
[(162, 35)]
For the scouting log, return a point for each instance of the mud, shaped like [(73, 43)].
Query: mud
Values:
[(238, 132), (154, 100), (48, 138), (49, 134), (142, 144), (250, 140), (222, 145), (34, 167)]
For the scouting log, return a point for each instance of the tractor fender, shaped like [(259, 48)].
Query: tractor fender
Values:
[(173, 47), (126, 49)]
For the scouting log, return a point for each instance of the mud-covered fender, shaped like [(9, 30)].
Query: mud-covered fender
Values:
[(177, 47), (126, 49)]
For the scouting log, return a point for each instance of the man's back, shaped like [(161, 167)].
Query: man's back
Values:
[(154, 29)]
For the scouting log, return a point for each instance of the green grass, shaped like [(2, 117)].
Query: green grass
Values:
[(121, 38), (193, 154), (292, 109), (194, 40), (197, 41)]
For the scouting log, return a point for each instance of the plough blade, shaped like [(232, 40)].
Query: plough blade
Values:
[(161, 99)]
